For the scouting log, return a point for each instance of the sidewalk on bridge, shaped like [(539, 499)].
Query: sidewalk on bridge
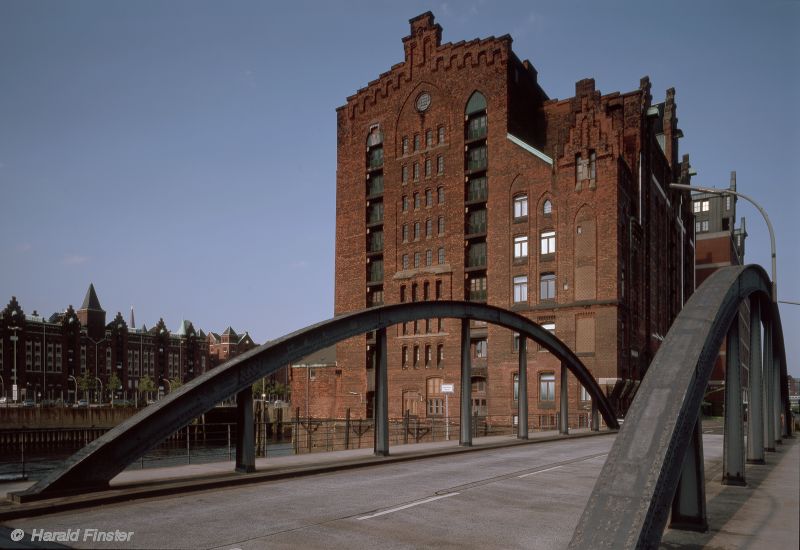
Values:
[(763, 514), (152, 482)]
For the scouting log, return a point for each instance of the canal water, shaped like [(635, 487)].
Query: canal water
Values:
[(36, 463)]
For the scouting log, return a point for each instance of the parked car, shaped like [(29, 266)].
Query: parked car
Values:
[(3, 400), (29, 403), (82, 404)]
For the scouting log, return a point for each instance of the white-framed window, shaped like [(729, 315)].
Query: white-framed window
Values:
[(481, 348), (547, 207), (547, 386), (701, 226), (547, 286), (705, 206), (520, 246), (520, 206), (520, 289), (727, 202), (585, 394), (548, 242)]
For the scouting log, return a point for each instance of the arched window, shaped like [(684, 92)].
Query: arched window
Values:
[(375, 136), (547, 207), (476, 116), (477, 102)]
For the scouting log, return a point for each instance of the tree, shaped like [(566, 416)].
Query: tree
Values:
[(174, 384), (85, 383), (114, 384), (146, 386)]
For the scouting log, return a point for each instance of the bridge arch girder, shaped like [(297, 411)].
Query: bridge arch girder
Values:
[(92, 467), (631, 502)]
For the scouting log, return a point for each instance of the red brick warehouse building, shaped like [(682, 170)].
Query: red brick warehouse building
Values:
[(459, 178)]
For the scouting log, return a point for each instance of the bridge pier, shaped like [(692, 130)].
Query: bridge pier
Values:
[(595, 417), (522, 397), (689, 503), (465, 437), (563, 416), (733, 445), (245, 432), (755, 422), (381, 396), (769, 388)]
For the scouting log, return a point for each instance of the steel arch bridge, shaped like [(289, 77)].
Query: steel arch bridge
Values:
[(92, 467), (655, 467)]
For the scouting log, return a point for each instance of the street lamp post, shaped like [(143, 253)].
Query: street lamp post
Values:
[(14, 339), (96, 353), (715, 191), (70, 377)]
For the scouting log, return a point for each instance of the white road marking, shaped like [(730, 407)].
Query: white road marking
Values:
[(540, 471), (403, 507)]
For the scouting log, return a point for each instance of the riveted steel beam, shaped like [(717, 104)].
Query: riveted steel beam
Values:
[(631, 502)]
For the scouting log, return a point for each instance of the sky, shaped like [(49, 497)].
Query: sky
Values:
[(181, 155)]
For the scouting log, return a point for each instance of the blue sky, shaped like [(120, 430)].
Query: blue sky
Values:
[(181, 155)]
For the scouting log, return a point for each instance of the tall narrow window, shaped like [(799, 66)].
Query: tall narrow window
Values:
[(429, 227), (441, 255), (547, 386), (416, 357), (405, 233), (405, 357), (548, 242), (405, 203), (405, 261), (435, 397), (438, 290), (520, 247), (428, 168), (416, 142), (404, 174), (417, 259), (405, 145), (440, 195), (520, 289), (416, 231), (440, 165), (428, 257), (441, 134), (547, 286), (429, 138), (547, 208), (520, 206), (416, 171), (428, 197), (440, 356), (428, 356), (592, 166), (441, 225)]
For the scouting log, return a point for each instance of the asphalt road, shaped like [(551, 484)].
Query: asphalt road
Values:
[(527, 496)]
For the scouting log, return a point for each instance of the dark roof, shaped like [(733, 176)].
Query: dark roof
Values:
[(325, 356), (91, 302), (230, 332)]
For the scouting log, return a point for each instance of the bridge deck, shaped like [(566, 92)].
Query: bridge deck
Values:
[(511, 496)]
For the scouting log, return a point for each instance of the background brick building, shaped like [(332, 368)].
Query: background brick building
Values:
[(47, 357), (459, 178), (719, 244)]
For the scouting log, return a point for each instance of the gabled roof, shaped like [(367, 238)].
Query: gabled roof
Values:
[(230, 332), (325, 357), (90, 302)]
